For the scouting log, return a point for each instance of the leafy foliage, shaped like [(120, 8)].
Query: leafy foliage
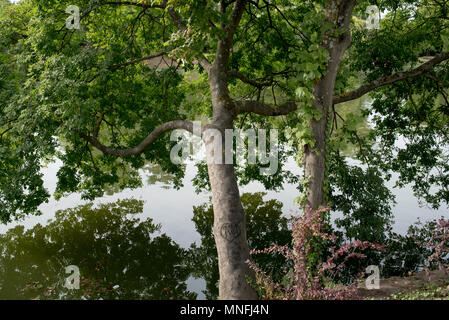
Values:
[(422, 248)]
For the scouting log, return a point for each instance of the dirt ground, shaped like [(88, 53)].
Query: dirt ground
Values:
[(404, 284)]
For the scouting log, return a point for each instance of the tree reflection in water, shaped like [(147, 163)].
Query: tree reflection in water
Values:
[(119, 256)]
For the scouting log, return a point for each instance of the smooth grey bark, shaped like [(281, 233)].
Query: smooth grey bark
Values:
[(229, 222), (229, 216), (314, 159)]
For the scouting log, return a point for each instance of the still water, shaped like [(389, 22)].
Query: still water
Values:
[(170, 208)]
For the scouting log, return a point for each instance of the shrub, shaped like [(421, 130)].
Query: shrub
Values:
[(407, 253), (439, 244), (302, 281), (424, 247)]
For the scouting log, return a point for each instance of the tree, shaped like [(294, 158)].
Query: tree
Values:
[(119, 255), (101, 98)]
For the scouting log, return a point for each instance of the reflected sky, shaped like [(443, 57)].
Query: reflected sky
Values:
[(173, 208)]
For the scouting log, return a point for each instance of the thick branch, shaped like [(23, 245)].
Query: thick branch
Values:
[(382, 81), (224, 46), (236, 16), (152, 137), (252, 106)]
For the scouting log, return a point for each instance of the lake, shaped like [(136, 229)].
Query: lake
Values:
[(173, 208)]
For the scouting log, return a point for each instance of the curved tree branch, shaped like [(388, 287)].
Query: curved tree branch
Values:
[(382, 81), (152, 137)]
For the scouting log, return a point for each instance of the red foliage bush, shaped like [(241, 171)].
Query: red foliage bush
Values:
[(301, 282)]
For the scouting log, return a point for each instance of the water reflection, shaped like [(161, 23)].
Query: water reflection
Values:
[(120, 256)]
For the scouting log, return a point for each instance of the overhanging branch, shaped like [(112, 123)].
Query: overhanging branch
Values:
[(177, 20), (385, 80), (152, 137)]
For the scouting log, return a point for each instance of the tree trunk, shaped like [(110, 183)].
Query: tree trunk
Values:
[(314, 160), (229, 233), (229, 216)]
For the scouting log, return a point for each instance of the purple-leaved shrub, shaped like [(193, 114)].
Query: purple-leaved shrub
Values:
[(301, 282)]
